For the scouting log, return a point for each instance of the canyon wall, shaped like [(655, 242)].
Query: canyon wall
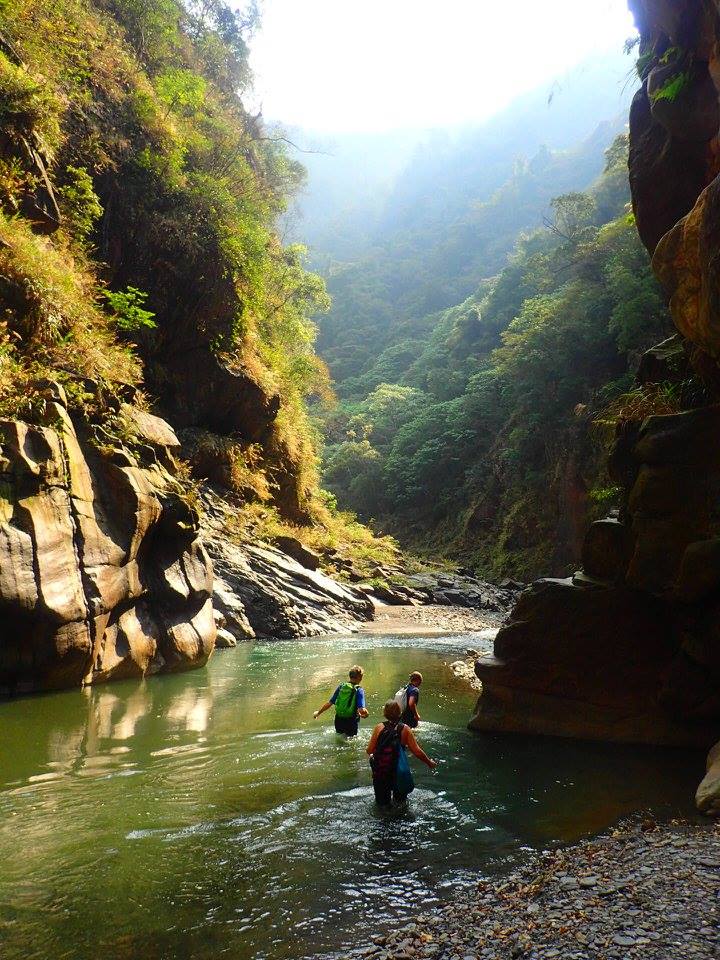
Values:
[(629, 648), (101, 572)]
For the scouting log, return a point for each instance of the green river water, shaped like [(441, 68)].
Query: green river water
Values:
[(207, 815)]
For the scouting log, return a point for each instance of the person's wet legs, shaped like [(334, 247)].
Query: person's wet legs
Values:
[(348, 726), (383, 792)]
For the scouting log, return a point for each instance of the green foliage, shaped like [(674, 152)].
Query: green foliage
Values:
[(181, 90), (28, 106), (50, 327), (644, 63), (156, 161), (129, 310), (484, 446), (604, 495), (80, 204), (385, 301), (672, 88)]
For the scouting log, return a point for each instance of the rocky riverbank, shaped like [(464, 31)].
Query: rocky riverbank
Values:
[(643, 890), (434, 618), (284, 590)]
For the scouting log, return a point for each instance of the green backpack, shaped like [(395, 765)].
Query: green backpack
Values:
[(345, 704)]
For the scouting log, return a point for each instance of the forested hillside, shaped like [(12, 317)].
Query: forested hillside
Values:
[(160, 194), (476, 436), (398, 248)]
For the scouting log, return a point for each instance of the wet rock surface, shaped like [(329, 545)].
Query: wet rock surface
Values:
[(643, 890), (263, 592)]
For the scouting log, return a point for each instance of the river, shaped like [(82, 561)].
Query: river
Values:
[(206, 814)]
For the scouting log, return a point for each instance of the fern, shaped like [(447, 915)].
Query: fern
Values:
[(672, 88)]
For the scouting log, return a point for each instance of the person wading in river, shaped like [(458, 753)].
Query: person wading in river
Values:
[(386, 743), (349, 703), (408, 698)]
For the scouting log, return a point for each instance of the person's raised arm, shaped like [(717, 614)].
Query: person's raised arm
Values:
[(370, 748), (323, 708), (416, 750)]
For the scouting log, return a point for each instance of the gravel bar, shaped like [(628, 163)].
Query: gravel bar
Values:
[(644, 890), (431, 618)]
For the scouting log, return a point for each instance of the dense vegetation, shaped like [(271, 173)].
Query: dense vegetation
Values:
[(138, 239), (411, 231), (475, 435)]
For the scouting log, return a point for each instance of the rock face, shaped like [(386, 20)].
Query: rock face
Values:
[(629, 648), (263, 592), (101, 572), (707, 797)]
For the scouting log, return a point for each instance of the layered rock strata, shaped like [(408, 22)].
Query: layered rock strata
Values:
[(102, 575), (261, 591)]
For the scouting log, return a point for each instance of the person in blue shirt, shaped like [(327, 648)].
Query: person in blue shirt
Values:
[(410, 714), (349, 703)]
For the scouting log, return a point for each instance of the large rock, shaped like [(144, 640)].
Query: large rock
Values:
[(707, 797), (586, 662), (296, 549), (692, 115), (666, 175), (630, 648), (101, 572), (263, 592), (699, 573), (685, 263), (606, 550)]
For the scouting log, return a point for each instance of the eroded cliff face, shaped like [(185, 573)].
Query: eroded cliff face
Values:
[(101, 572), (629, 648)]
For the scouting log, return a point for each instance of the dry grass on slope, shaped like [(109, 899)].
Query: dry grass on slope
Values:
[(51, 326)]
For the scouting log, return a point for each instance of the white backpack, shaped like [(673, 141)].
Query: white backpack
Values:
[(401, 698)]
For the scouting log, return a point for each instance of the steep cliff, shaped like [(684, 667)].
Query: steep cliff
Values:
[(142, 273), (101, 572), (628, 649)]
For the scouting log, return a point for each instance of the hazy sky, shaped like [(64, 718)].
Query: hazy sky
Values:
[(381, 64)]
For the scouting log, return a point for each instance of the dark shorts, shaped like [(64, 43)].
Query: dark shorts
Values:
[(347, 725), (408, 719), (385, 793)]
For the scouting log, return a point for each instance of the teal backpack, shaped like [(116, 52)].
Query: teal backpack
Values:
[(345, 705)]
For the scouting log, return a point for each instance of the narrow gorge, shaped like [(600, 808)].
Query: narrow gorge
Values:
[(411, 374)]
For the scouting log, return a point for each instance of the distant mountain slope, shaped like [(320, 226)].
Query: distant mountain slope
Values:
[(399, 244)]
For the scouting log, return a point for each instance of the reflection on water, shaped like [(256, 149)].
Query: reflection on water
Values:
[(207, 814)]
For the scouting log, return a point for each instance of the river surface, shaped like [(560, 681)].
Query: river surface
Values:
[(207, 815)]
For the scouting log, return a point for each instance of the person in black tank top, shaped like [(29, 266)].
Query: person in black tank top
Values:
[(387, 740), (410, 714)]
